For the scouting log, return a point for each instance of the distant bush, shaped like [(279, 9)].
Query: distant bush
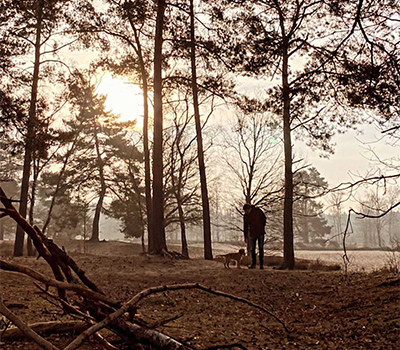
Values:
[(392, 262)]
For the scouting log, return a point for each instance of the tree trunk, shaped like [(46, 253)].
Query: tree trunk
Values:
[(200, 152), (58, 185), (139, 202), (35, 162), (1, 230), (378, 232), (288, 246), (99, 206), (147, 174), (185, 251), (19, 235), (159, 243), (306, 238), (177, 188)]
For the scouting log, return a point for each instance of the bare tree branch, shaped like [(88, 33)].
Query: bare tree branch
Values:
[(24, 328)]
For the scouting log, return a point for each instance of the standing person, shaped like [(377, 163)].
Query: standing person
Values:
[(254, 230)]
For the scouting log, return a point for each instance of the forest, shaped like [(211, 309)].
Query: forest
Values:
[(153, 123)]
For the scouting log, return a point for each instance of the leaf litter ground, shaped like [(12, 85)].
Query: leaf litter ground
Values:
[(322, 309)]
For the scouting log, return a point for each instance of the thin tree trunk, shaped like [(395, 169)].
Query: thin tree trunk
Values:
[(58, 186), (19, 236), (288, 246), (159, 243), (177, 187), (200, 152), (306, 238), (1, 230), (185, 251), (147, 172), (248, 201), (378, 233), (99, 206), (31, 250), (137, 190)]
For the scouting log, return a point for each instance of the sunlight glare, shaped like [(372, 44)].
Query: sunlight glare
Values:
[(122, 98)]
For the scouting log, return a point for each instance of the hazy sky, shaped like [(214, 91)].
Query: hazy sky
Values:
[(351, 157)]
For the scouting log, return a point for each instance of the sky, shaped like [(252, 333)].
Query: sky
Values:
[(351, 157), (350, 160)]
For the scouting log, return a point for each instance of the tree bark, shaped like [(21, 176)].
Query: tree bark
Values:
[(43, 343), (185, 251), (159, 243), (58, 185), (1, 230), (288, 244), (200, 152), (46, 328), (306, 237), (35, 162), (147, 175), (147, 172), (103, 188), (19, 235)]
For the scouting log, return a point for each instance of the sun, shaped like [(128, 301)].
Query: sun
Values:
[(122, 98)]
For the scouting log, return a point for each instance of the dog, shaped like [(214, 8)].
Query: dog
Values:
[(233, 256)]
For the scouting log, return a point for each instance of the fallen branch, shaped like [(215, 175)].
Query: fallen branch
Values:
[(63, 257), (150, 336), (25, 328), (65, 305), (173, 255), (163, 322), (103, 341), (160, 289), (46, 328), (138, 297), (227, 346), (390, 283), (35, 237), (99, 307), (83, 291)]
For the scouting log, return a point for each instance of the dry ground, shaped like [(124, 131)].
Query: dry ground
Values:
[(322, 309)]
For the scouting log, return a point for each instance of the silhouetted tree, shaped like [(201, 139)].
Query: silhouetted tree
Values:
[(30, 26), (308, 219), (274, 37), (97, 149)]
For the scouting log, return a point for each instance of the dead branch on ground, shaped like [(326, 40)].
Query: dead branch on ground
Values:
[(46, 328), (87, 300), (43, 343)]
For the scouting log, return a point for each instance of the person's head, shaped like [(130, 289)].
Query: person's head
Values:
[(247, 208)]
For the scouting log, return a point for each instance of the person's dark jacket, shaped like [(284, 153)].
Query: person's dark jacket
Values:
[(254, 223)]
